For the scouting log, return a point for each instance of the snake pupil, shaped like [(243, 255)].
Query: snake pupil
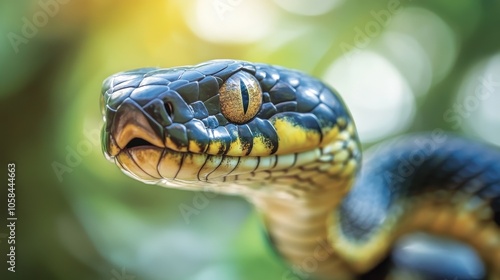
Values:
[(240, 97), (244, 96)]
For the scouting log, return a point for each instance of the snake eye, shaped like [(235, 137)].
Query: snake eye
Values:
[(240, 97)]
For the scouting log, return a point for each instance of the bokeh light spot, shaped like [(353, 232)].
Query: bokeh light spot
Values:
[(409, 57), (230, 21), (433, 34), (378, 96), (478, 101)]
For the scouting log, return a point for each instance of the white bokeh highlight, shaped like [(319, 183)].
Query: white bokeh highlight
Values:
[(432, 33), (408, 55), (477, 107), (231, 21), (378, 96)]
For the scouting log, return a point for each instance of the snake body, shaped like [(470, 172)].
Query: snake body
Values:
[(287, 143)]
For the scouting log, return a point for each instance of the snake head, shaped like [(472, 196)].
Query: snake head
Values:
[(219, 121)]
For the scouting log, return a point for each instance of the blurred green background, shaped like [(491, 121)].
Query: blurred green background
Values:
[(401, 66)]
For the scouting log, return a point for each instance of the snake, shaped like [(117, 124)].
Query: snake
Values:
[(287, 143)]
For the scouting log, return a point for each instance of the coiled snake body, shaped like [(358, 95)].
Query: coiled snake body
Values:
[(286, 142)]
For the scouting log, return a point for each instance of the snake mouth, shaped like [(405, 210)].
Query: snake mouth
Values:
[(139, 146), (142, 152), (133, 144), (130, 131), (138, 143)]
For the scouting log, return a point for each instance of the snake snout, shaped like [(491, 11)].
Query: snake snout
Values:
[(129, 129)]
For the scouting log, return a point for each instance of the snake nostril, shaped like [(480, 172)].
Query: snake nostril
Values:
[(169, 108), (137, 142)]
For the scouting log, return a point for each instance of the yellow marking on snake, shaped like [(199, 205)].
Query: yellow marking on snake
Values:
[(293, 138), (236, 148)]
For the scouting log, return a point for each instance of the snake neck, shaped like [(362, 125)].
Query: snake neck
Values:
[(297, 223), (298, 231), (298, 202)]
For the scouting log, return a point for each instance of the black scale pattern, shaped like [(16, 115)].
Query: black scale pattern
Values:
[(183, 103), (413, 165)]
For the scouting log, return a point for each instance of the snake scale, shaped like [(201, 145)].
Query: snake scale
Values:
[(287, 143)]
